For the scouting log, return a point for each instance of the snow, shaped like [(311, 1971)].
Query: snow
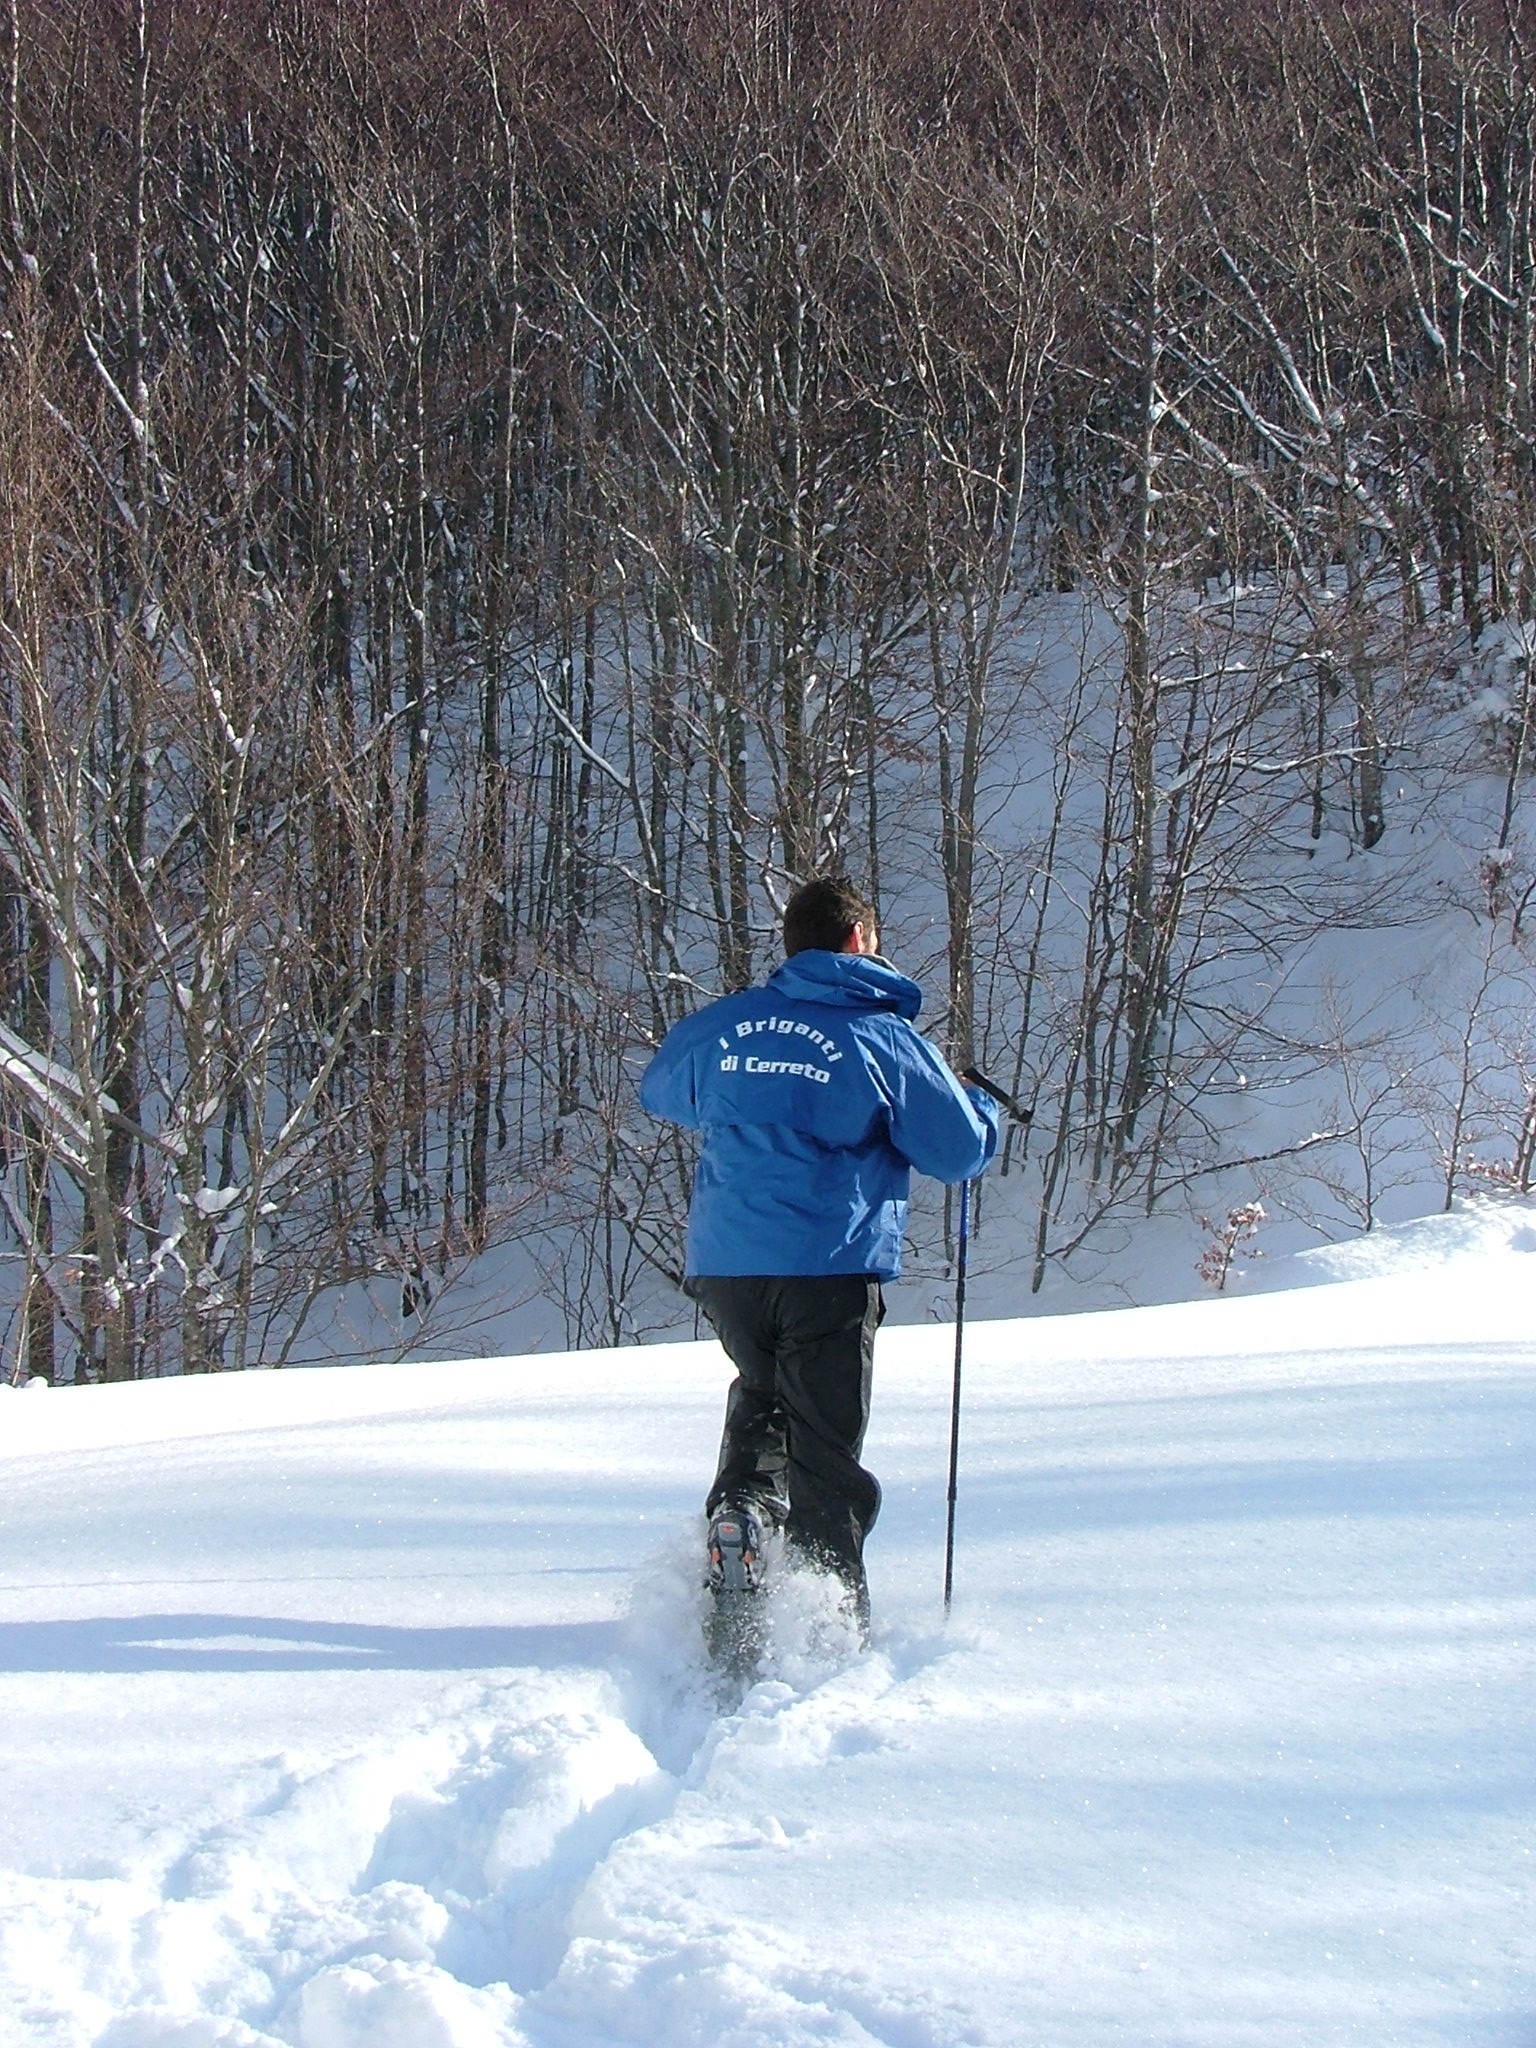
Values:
[(364, 1706)]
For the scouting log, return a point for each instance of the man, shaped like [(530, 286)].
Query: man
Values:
[(816, 1097)]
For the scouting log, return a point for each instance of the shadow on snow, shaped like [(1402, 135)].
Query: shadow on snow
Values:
[(253, 1642)]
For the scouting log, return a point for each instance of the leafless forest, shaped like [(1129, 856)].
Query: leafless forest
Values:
[(494, 493)]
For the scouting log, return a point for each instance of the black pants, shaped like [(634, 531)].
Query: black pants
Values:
[(803, 1347)]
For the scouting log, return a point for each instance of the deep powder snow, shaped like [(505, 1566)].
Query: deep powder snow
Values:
[(366, 1707)]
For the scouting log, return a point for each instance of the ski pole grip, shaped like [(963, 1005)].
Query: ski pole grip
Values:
[(1004, 1100)]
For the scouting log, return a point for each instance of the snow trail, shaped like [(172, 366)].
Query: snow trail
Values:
[(418, 1891)]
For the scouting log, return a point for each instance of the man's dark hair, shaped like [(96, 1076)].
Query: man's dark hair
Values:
[(819, 917)]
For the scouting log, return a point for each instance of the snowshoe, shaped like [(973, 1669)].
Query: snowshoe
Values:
[(735, 1551), (735, 1624)]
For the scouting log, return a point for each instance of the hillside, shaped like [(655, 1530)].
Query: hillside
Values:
[(365, 1707)]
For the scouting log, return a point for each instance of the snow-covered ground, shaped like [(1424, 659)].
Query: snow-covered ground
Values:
[(363, 1708)]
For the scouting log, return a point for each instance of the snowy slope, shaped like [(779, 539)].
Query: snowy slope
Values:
[(364, 1707)]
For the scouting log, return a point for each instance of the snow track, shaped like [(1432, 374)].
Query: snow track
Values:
[(463, 1886)]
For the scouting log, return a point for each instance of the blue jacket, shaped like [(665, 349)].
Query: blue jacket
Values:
[(816, 1098)]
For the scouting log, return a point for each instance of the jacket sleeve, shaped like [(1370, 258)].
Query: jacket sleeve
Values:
[(938, 1126), (667, 1087)]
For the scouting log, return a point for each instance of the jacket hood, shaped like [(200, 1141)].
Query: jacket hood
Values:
[(853, 981)]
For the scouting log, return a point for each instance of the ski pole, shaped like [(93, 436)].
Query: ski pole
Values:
[(962, 1245), (1000, 1096)]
